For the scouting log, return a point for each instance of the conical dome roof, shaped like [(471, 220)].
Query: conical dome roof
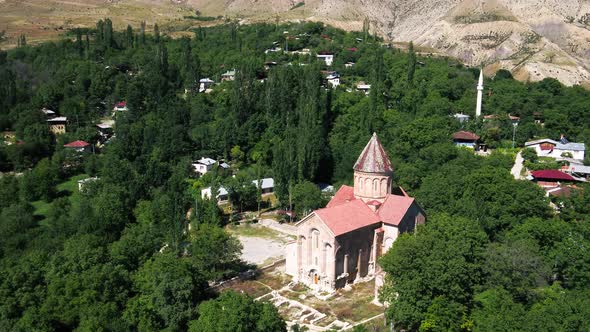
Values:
[(373, 159)]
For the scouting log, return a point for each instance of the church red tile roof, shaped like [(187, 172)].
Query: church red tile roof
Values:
[(373, 159), (395, 207), (347, 217), (344, 195), (345, 213)]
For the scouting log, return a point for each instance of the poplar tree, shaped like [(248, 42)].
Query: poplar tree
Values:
[(156, 33), (108, 32), (142, 33), (129, 36), (411, 63)]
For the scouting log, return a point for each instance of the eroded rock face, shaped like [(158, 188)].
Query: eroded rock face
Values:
[(532, 38)]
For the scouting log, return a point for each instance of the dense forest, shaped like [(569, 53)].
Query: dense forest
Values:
[(120, 255)]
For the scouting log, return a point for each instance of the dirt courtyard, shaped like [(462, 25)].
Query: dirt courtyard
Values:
[(261, 251), (261, 245)]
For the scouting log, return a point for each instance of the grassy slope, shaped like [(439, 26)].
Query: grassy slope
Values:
[(68, 188)]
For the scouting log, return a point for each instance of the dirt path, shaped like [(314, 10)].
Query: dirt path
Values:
[(275, 225), (518, 165)]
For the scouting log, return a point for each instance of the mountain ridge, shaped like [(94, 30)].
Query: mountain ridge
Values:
[(532, 38)]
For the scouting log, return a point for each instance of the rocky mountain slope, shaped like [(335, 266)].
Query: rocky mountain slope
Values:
[(532, 38)]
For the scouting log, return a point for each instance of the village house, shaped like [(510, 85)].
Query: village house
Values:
[(340, 244), (466, 139), (327, 57), (554, 182), (204, 165), (205, 84), (267, 185), (305, 51), (78, 146), (120, 106), (47, 112), (273, 50), (57, 125), (229, 75), (579, 170), (222, 194), (461, 117), (557, 149), (513, 118), (362, 86), (333, 79), (551, 178), (105, 129)]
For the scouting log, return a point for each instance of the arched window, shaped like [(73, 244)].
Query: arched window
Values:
[(375, 185), (315, 234)]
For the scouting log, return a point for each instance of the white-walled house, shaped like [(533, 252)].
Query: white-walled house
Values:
[(222, 194), (556, 149), (327, 57), (333, 79), (204, 165), (205, 84), (362, 86), (230, 75), (267, 185)]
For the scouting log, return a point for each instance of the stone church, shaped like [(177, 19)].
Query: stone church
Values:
[(340, 244)]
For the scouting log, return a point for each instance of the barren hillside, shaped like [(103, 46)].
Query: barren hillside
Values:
[(533, 38)]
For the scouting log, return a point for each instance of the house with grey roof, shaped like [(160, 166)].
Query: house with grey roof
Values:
[(557, 149)]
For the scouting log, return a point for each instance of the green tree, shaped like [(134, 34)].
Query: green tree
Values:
[(497, 311), (206, 256), (307, 197), (444, 258), (529, 155), (168, 291), (239, 313)]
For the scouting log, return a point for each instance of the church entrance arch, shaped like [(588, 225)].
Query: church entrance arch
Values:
[(314, 277)]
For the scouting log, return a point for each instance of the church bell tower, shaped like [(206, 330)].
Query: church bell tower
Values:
[(373, 173)]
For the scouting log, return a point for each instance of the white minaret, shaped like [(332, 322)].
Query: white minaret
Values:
[(479, 94)]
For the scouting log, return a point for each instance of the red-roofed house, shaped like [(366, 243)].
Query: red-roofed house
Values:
[(466, 139), (79, 146), (120, 107), (340, 244), (551, 178)]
